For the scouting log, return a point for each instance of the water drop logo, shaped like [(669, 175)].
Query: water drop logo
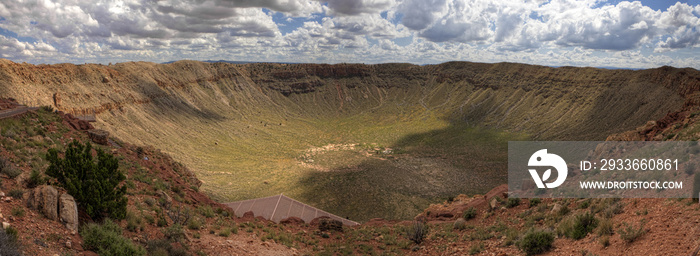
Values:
[(542, 158)]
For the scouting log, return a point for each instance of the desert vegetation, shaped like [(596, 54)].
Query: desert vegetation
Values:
[(95, 185), (405, 141), (257, 122)]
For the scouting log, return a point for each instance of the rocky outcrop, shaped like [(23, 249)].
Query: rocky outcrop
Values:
[(99, 136), (57, 100), (292, 220), (75, 123), (557, 103), (461, 203), (45, 200), (68, 211), (8, 103)]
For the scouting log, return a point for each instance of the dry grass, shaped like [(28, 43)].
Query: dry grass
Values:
[(244, 138)]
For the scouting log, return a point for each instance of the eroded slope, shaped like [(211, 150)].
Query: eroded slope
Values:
[(244, 129)]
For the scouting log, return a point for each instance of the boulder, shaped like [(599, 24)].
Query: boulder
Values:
[(77, 124), (99, 136), (493, 204), (45, 200), (292, 220), (68, 212), (248, 215), (5, 225)]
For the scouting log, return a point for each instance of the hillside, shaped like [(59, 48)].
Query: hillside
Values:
[(361, 141), (166, 214), (495, 226)]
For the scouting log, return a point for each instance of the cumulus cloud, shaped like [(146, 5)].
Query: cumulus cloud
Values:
[(13, 48), (621, 27), (291, 7), (368, 24), (419, 14), (683, 23), (355, 7), (579, 32)]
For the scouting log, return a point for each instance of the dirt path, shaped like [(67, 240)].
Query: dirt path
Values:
[(15, 111)]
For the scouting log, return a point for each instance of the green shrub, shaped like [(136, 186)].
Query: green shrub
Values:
[(94, 185), (536, 242), (174, 232), (18, 211), (207, 211), (162, 222), (480, 234), (7, 168), (476, 248), (578, 226), (512, 236), (16, 193), (534, 202), (225, 232), (149, 218), (133, 222), (46, 109), (35, 179), (106, 240), (585, 204), (629, 233), (8, 242), (613, 209), (605, 228), (564, 210), (164, 247), (512, 202), (469, 213), (222, 211), (417, 232), (194, 224)]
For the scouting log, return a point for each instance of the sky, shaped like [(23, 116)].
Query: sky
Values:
[(594, 33)]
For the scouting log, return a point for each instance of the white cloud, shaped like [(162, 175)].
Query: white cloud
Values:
[(419, 14), (368, 24), (682, 23), (620, 27), (296, 8), (555, 32), (355, 7), (13, 48)]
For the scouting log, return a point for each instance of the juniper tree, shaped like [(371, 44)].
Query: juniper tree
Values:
[(93, 184)]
